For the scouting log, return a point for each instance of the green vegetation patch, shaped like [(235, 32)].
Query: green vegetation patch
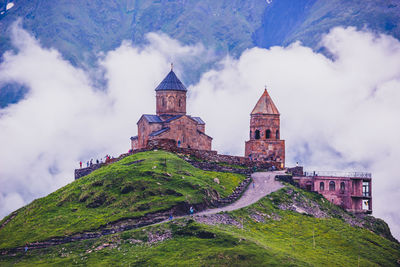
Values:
[(139, 184), (284, 238)]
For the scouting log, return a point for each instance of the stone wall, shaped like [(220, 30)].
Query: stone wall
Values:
[(262, 150), (210, 159), (296, 171), (85, 171), (185, 131), (235, 195), (210, 155), (170, 102)]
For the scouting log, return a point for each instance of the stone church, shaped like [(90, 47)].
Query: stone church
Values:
[(171, 120), (265, 143)]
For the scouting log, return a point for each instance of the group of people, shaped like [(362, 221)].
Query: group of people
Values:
[(89, 163)]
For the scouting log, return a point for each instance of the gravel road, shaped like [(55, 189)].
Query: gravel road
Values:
[(264, 184)]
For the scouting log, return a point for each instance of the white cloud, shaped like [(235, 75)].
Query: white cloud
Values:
[(339, 114)]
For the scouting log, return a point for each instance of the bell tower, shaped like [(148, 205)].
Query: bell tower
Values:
[(171, 96), (265, 143)]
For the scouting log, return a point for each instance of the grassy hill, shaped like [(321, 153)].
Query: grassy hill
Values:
[(288, 227), (138, 185)]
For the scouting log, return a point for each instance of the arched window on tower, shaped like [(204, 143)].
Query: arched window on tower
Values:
[(257, 134), (163, 101), (179, 103), (268, 134), (332, 186), (321, 186), (277, 134)]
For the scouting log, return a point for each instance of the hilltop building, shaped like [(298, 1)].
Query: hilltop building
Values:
[(171, 121), (351, 191), (265, 143), (172, 129)]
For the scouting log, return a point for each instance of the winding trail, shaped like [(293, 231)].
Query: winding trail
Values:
[(263, 184)]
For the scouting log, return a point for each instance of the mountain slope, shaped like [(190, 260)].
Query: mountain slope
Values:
[(285, 22), (134, 187), (287, 227), (82, 29), (265, 233)]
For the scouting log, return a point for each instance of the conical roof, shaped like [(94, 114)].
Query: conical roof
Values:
[(265, 105), (171, 82)]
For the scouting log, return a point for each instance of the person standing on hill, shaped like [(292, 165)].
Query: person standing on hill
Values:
[(80, 164)]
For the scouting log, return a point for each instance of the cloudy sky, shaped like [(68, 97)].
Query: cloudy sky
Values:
[(338, 113)]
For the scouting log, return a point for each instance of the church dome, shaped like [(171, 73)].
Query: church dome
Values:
[(171, 82)]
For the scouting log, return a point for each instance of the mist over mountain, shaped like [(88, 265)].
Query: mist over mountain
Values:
[(83, 30)]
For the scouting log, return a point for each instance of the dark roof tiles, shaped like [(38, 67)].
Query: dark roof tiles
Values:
[(171, 82), (152, 118), (198, 120), (159, 131)]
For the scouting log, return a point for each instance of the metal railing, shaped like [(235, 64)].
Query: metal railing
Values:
[(338, 174)]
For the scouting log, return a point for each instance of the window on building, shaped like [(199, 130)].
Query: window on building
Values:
[(321, 186), (179, 143), (179, 103), (365, 205), (163, 101), (250, 134), (342, 186), (332, 186), (365, 189), (277, 134), (268, 134), (257, 134), (309, 186)]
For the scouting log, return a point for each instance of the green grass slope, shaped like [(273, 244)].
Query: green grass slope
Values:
[(262, 234), (143, 183)]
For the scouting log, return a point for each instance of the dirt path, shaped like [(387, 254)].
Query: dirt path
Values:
[(263, 184)]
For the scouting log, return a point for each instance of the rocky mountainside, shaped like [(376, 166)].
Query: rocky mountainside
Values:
[(117, 215), (82, 29)]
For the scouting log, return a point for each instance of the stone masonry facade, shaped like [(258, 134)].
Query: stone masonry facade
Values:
[(171, 120), (265, 143)]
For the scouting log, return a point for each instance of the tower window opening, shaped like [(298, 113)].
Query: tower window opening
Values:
[(163, 102), (179, 103), (277, 134), (268, 134), (332, 186), (257, 134)]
